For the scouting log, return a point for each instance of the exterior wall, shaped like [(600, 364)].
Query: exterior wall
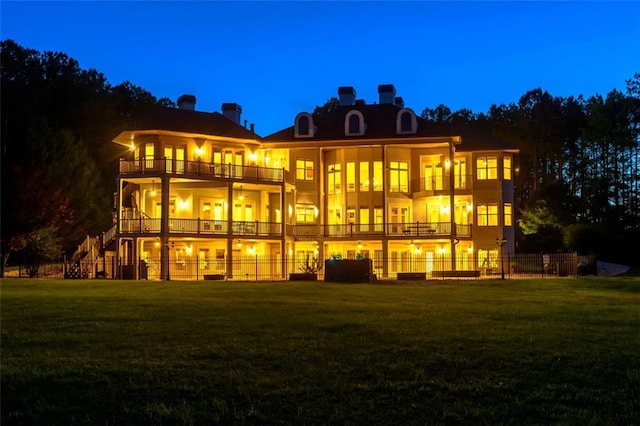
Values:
[(193, 215)]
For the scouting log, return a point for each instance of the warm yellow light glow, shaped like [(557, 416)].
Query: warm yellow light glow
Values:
[(132, 147), (157, 244), (315, 212), (199, 151), (253, 156), (189, 250), (239, 243), (267, 159), (241, 196), (290, 251), (469, 207), (447, 164), (418, 250), (252, 250), (442, 250), (469, 249), (290, 210), (359, 245), (183, 204)]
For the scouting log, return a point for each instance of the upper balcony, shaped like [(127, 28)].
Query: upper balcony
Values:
[(204, 227), (204, 170)]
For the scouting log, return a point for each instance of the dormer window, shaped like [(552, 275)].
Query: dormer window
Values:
[(354, 124), (406, 123), (304, 126)]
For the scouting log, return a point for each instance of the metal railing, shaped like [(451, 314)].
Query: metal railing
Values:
[(407, 266), (143, 225), (199, 169)]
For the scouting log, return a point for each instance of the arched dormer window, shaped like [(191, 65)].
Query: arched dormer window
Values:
[(304, 126), (354, 124), (406, 122)]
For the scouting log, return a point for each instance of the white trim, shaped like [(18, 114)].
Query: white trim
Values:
[(414, 122), (312, 129), (363, 126)]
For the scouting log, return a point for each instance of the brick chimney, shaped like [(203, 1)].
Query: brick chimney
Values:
[(346, 95), (232, 111), (387, 93), (187, 102)]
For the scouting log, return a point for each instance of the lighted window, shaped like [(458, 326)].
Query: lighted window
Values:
[(168, 159), (334, 180), (149, 150), (460, 173), (508, 215), (506, 162), (364, 176), (304, 170), (487, 168), (378, 219), (304, 213), (351, 177), (377, 175), (351, 215), (364, 219), (487, 214), (398, 176)]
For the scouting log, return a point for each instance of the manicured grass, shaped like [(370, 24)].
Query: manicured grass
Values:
[(472, 352)]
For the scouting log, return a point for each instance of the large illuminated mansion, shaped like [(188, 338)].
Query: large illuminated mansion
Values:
[(200, 195)]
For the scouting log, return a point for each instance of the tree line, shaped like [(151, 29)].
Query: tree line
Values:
[(577, 181)]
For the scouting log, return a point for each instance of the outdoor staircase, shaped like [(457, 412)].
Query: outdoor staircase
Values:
[(89, 252)]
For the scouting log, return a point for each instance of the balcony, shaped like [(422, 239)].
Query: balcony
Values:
[(201, 169), (204, 227)]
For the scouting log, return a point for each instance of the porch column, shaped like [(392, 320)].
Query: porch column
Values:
[(229, 258), (164, 230)]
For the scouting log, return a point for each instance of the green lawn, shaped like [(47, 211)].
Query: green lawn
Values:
[(473, 352)]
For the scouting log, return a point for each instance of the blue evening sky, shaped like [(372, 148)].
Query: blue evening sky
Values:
[(279, 58)]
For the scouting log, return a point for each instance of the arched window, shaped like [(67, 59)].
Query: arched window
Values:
[(406, 122), (304, 125), (354, 124)]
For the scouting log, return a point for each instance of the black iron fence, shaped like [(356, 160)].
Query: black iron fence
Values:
[(275, 268)]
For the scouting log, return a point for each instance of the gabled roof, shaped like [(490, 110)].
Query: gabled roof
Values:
[(380, 121), (188, 121)]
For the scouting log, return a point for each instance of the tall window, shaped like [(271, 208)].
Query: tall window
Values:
[(304, 213), (506, 162), (351, 177), (364, 219), (487, 168), (149, 149), (433, 177), (377, 219), (364, 176), (377, 176), (335, 179), (508, 215), (460, 174), (487, 214), (304, 169), (398, 176)]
